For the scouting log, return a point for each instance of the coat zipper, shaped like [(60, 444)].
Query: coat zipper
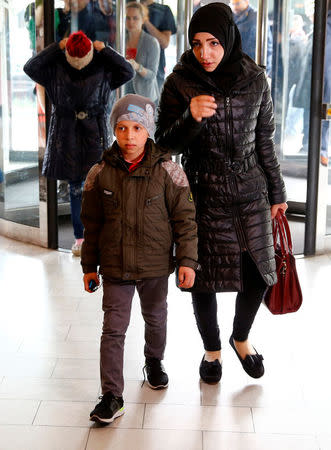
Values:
[(227, 129), (232, 181), (240, 231)]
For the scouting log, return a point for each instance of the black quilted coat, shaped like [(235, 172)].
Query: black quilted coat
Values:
[(232, 168), (81, 102)]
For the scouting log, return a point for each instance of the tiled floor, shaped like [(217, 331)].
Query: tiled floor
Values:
[(49, 381)]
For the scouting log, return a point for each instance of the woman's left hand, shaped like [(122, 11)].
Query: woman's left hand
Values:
[(274, 209), (62, 44)]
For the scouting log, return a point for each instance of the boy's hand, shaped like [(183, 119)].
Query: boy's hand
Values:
[(87, 278), (186, 277)]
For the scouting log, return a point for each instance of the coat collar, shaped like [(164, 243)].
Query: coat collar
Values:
[(154, 154)]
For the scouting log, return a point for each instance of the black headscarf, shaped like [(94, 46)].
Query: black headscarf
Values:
[(216, 19)]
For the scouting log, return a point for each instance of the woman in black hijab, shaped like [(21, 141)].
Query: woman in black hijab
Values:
[(216, 111)]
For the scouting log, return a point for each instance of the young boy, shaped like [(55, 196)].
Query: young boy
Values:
[(136, 205)]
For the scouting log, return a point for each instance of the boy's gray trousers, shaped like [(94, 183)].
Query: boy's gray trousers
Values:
[(117, 300)]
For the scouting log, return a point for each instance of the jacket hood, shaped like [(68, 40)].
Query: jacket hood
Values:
[(154, 154), (186, 65)]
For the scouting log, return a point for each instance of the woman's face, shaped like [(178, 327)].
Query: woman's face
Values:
[(134, 20), (207, 50)]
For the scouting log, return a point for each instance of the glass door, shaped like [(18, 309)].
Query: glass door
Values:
[(292, 22), (23, 192), (22, 130), (288, 43)]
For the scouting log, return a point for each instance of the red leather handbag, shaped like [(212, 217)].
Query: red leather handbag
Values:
[(285, 296)]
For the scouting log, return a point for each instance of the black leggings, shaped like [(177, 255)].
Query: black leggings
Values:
[(247, 305)]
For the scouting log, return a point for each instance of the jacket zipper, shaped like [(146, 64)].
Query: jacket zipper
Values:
[(229, 145), (232, 181), (227, 129), (240, 231)]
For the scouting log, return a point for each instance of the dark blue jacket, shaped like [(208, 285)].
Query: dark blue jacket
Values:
[(81, 102), (327, 62)]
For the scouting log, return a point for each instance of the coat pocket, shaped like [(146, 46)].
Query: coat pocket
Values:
[(110, 204), (155, 208)]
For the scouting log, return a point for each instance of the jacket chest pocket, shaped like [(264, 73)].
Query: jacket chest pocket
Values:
[(155, 209), (110, 203)]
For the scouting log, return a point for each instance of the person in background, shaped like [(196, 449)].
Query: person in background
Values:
[(160, 23), (301, 96), (245, 18), (76, 15), (104, 19), (136, 205), (79, 77), (296, 46), (143, 52), (326, 90), (216, 110)]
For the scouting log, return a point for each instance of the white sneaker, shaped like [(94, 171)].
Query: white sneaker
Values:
[(76, 248)]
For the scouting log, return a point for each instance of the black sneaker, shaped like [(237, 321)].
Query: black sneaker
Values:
[(108, 409), (156, 376)]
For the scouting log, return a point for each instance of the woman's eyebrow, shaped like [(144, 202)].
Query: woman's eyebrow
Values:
[(209, 39)]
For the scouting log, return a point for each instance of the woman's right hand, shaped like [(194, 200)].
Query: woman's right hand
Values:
[(62, 44), (99, 45), (202, 106)]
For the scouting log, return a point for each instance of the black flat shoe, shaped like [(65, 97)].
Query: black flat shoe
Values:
[(252, 364), (210, 372)]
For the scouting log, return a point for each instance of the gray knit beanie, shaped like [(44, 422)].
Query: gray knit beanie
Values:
[(136, 108)]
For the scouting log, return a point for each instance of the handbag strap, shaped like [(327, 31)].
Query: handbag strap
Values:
[(283, 224), (287, 232), (280, 233)]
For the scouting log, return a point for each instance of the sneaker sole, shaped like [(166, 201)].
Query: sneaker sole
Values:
[(160, 386), (104, 421)]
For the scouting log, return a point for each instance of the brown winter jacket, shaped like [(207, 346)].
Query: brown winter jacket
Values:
[(132, 220)]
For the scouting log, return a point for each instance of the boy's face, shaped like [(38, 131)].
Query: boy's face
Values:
[(131, 138)]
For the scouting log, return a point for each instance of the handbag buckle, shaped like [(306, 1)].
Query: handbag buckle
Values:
[(283, 268)]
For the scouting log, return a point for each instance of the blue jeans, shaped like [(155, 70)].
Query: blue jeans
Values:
[(75, 192), (325, 138)]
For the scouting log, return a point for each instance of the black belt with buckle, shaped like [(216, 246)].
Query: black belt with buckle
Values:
[(224, 167), (81, 115), (78, 115)]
